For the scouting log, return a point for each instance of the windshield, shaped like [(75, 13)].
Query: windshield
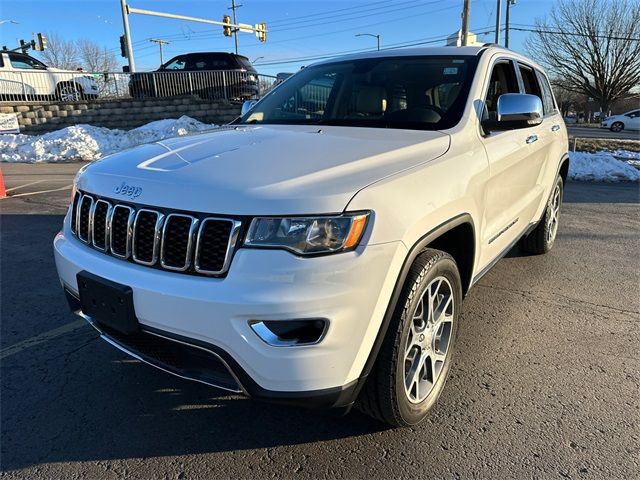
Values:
[(427, 93)]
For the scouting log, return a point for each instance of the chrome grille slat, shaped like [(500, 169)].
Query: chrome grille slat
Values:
[(138, 256), (83, 227), (200, 265), (167, 259), (99, 238), (74, 211), (117, 224), (191, 244)]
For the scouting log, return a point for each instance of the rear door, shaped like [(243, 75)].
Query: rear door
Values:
[(515, 159)]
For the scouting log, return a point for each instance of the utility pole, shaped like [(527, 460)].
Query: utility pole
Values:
[(498, 13), (160, 43), (233, 8), (127, 35), (466, 10), (506, 27)]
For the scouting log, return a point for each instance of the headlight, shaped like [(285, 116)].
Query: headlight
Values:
[(308, 235)]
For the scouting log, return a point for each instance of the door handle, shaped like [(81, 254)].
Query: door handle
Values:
[(532, 138), (555, 128)]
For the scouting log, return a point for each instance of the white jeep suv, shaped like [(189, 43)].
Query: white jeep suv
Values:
[(316, 251)]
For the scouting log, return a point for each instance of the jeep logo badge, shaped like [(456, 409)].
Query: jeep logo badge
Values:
[(128, 190)]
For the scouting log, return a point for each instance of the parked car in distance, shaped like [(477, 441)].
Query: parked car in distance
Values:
[(626, 121), (207, 74), (570, 119), (317, 250), (23, 77)]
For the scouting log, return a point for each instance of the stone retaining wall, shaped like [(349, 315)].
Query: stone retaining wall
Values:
[(124, 114)]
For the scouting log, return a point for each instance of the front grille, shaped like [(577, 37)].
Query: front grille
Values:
[(181, 242)]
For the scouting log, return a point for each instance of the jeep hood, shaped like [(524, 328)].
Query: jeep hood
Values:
[(261, 170)]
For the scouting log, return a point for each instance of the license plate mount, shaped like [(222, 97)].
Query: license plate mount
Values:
[(107, 303)]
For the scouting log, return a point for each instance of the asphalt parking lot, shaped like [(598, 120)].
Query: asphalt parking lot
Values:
[(545, 384)]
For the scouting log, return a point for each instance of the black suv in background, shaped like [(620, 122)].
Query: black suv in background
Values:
[(207, 74)]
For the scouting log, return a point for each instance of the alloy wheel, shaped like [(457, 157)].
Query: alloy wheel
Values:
[(554, 214), (429, 339)]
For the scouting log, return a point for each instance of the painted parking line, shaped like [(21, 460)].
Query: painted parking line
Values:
[(24, 186), (42, 338), (40, 192)]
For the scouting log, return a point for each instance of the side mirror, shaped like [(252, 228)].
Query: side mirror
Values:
[(246, 106), (515, 110)]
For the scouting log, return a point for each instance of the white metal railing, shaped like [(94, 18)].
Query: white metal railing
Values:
[(52, 86)]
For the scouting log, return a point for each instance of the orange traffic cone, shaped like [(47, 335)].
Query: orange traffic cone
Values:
[(3, 190)]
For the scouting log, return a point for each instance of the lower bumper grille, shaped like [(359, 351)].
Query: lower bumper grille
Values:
[(184, 360)]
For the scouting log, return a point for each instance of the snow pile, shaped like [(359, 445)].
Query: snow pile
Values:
[(86, 142), (600, 167), (632, 158)]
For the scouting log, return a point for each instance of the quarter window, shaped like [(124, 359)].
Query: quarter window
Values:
[(548, 103)]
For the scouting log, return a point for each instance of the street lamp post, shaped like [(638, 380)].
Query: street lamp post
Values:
[(376, 36)]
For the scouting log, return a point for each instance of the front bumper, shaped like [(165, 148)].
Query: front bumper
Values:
[(351, 290)]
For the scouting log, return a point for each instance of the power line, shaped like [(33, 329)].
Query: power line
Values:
[(408, 43), (571, 34)]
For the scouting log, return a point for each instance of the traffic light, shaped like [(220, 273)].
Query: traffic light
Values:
[(261, 32), (226, 28), (123, 46), (42, 43)]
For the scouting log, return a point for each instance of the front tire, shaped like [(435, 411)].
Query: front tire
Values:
[(617, 127), (542, 238), (416, 354)]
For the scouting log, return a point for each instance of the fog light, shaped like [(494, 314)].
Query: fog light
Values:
[(290, 333)]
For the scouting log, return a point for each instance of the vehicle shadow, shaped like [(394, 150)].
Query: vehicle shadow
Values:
[(591, 192), (89, 402)]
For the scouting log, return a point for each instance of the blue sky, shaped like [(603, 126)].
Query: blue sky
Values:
[(297, 28)]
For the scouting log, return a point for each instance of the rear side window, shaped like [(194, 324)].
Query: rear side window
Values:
[(530, 81), (503, 80), (548, 103)]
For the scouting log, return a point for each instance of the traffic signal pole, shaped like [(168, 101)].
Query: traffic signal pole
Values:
[(259, 29), (127, 35)]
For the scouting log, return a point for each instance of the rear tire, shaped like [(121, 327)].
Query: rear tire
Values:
[(417, 352), (542, 238)]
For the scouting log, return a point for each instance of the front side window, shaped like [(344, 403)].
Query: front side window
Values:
[(425, 93), (177, 63), (633, 114), (24, 62), (503, 80)]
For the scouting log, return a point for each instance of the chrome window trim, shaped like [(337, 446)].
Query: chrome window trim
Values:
[(192, 229), (231, 243), (89, 220), (106, 226), (132, 214), (156, 237)]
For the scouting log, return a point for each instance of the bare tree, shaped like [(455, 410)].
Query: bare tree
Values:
[(566, 100), (96, 58), (596, 53), (60, 53)]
